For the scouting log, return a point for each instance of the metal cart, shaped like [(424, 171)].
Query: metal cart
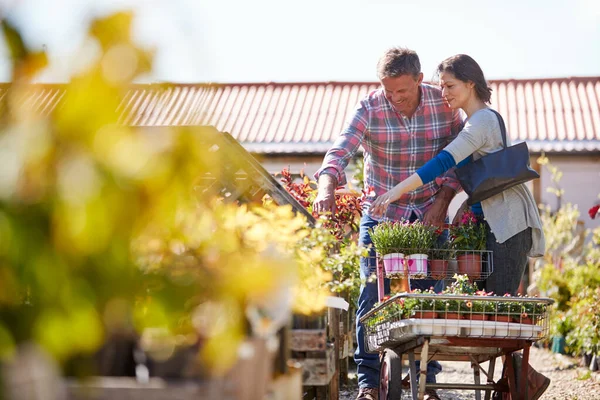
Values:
[(475, 329)]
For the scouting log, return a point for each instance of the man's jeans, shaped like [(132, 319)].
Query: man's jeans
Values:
[(368, 365)]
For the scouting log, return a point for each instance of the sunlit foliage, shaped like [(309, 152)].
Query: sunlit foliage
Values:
[(101, 231)]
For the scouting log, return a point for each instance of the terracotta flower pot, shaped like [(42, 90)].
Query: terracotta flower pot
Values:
[(452, 315), (438, 268), (477, 317), (501, 318), (524, 320), (425, 314), (469, 264)]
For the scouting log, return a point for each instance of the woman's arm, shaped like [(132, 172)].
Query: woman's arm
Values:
[(428, 172), (381, 203), (470, 139)]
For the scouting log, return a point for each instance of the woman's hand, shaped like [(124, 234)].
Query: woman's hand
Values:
[(380, 205)]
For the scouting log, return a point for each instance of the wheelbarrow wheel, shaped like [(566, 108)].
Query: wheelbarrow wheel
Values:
[(390, 376)]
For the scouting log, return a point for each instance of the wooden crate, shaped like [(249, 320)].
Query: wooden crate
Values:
[(319, 346)]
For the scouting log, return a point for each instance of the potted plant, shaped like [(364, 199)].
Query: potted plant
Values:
[(459, 308), (389, 238), (507, 310), (421, 239), (480, 310), (438, 260), (425, 308), (468, 238), (530, 311)]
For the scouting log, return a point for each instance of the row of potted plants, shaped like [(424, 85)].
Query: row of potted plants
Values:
[(416, 248), (507, 310)]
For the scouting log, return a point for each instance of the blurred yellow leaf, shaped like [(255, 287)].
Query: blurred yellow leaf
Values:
[(7, 344)]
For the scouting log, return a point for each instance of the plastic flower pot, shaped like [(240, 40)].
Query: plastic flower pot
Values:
[(393, 264), (417, 265), (470, 265)]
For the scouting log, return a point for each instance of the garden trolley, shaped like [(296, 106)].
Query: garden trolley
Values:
[(475, 329)]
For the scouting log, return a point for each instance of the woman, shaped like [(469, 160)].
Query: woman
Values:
[(513, 225), (514, 228)]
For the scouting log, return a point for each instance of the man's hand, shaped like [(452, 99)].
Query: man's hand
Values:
[(325, 200), (459, 213), (436, 215)]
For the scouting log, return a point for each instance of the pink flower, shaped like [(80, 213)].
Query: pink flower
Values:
[(468, 218)]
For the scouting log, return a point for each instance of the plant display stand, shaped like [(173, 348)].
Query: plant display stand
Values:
[(321, 345), (503, 327), (477, 264)]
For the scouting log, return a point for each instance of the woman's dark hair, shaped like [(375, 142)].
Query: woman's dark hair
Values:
[(398, 61), (465, 69)]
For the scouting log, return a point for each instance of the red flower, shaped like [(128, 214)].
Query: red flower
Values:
[(594, 211)]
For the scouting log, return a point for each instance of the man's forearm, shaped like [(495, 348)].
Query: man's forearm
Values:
[(445, 195), (327, 183)]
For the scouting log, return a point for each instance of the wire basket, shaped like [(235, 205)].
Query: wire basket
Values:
[(406, 315), (438, 264)]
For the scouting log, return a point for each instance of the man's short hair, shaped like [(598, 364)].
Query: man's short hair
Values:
[(398, 61)]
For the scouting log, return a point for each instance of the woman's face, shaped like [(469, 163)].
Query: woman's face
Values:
[(456, 92)]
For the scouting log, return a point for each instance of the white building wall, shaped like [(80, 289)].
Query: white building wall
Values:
[(580, 181)]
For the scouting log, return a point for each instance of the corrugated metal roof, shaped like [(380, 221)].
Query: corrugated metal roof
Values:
[(561, 114)]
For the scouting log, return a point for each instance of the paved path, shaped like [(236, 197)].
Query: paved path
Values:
[(569, 382)]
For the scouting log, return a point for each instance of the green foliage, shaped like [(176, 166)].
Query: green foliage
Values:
[(441, 251), (339, 261), (101, 231), (403, 237), (421, 237), (389, 237), (461, 285), (570, 274)]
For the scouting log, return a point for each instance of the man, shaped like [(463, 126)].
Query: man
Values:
[(400, 126)]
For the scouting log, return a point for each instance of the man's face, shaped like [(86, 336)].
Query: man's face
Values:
[(403, 92)]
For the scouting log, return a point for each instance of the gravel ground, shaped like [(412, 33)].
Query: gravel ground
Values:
[(569, 382)]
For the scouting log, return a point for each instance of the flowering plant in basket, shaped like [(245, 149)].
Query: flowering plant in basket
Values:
[(469, 234), (460, 286), (468, 238), (421, 238), (397, 309), (389, 238)]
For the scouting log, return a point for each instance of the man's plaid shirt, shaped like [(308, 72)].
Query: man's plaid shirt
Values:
[(395, 147)]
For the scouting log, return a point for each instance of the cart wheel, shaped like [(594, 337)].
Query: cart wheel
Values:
[(390, 376)]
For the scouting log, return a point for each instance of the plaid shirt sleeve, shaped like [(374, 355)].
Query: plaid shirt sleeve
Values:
[(345, 146), (449, 179)]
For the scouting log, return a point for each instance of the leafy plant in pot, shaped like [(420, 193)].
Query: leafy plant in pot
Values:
[(426, 308), (468, 238), (388, 238), (438, 260), (421, 239)]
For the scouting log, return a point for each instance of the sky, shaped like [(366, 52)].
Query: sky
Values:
[(320, 40)]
